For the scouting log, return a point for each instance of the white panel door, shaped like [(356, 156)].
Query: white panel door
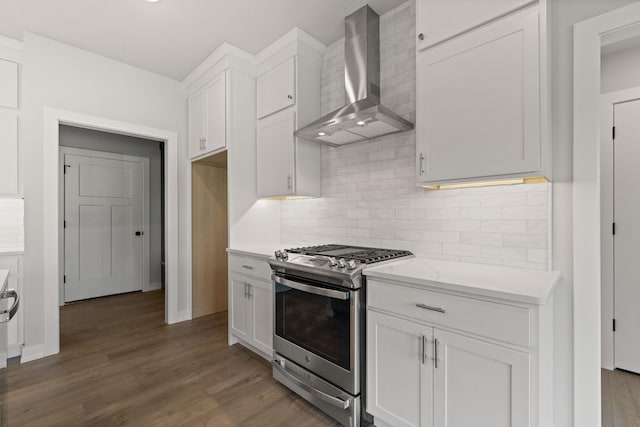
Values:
[(439, 20), (276, 88), (479, 384), (9, 160), (103, 214), (261, 296), (239, 306), (399, 378), (216, 135), (478, 103), (276, 155), (626, 148), (197, 124)]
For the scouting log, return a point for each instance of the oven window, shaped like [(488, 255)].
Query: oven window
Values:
[(316, 323)]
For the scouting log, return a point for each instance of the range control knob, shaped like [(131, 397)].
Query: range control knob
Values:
[(333, 261), (351, 265), (285, 255), (342, 263), (278, 255)]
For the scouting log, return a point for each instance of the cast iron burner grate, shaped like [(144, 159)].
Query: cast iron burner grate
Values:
[(357, 253)]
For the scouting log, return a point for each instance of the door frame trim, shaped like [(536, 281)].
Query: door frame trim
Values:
[(145, 208), (608, 102), (53, 118), (587, 268)]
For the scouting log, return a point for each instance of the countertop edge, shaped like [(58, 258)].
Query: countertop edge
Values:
[(466, 289), (247, 252), (12, 252)]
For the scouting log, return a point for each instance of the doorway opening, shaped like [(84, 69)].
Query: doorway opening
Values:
[(210, 231), (112, 204)]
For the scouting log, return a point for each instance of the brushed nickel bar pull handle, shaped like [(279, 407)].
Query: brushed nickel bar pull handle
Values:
[(428, 307), (424, 349), (421, 164), (435, 353), (248, 267)]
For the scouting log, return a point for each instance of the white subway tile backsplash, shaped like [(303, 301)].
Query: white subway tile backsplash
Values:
[(369, 191)]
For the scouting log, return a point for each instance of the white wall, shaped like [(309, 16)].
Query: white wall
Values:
[(369, 192), (620, 70), (564, 14), (121, 144), (63, 77)]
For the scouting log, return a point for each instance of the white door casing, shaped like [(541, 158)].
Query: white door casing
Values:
[(626, 148), (105, 206)]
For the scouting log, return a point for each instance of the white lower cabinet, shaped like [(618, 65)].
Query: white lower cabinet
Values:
[(421, 371), (478, 383), (251, 304), (15, 334)]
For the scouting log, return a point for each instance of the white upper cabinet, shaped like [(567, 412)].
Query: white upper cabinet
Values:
[(288, 97), (8, 84), (439, 20), (276, 154), (207, 118), (480, 104), (276, 88)]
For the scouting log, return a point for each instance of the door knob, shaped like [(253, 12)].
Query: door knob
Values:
[(139, 233)]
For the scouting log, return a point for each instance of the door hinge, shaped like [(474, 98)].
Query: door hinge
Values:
[(64, 279), (65, 168), (64, 224), (614, 325), (613, 131), (613, 228)]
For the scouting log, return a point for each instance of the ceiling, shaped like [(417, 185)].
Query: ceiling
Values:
[(172, 37)]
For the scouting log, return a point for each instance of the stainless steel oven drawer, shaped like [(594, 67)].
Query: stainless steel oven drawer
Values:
[(336, 403)]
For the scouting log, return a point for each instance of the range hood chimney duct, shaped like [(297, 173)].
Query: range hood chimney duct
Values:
[(363, 117)]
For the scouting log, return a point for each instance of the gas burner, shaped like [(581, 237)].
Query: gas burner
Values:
[(360, 254)]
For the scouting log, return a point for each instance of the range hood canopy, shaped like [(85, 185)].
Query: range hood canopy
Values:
[(363, 117)]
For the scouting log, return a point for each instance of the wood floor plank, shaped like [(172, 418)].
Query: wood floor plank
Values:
[(121, 365), (620, 398)]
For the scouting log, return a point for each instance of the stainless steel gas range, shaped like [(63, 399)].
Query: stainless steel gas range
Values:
[(319, 325)]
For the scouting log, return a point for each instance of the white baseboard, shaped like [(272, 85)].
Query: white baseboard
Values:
[(152, 287), (248, 346), (183, 316), (33, 352)]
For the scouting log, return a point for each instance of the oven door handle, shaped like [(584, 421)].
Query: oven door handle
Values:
[(334, 401), (311, 289)]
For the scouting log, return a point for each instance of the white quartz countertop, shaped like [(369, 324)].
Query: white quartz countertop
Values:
[(11, 251), (262, 251), (513, 284)]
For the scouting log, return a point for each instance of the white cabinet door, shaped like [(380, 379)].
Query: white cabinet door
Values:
[(399, 379), (8, 84), (276, 155), (239, 306), (479, 384), (276, 88), (197, 124), (216, 135), (438, 20), (479, 103), (261, 296), (9, 152)]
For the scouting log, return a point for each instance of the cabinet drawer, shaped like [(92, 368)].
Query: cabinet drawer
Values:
[(10, 263), (251, 266), (493, 320)]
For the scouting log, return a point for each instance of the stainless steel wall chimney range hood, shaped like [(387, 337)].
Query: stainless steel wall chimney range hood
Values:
[(363, 117)]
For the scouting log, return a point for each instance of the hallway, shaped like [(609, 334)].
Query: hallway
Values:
[(121, 365)]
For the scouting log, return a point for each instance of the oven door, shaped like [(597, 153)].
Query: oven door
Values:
[(317, 327)]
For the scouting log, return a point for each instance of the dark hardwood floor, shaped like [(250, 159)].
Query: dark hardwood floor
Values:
[(121, 365), (620, 399)]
